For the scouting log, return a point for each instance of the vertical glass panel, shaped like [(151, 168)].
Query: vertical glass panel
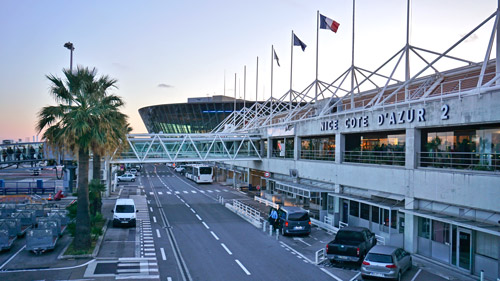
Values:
[(464, 250)]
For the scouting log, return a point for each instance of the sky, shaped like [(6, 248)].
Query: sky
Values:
[(164, 52)]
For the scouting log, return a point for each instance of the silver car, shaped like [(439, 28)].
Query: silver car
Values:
[(386, 262)]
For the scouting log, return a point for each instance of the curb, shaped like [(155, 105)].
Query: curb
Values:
[(87, 256)]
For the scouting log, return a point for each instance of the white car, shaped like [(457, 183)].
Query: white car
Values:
[(126, 177), (179, 169), (133, 171)]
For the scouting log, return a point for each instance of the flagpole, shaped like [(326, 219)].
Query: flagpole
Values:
[(224, 82), (352, 61), (407, 47), (272, 64), (234, 110), (257, 82), (291, 70), (317, 40), (244, 91)]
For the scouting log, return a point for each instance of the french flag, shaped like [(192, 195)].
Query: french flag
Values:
[(328, 23)]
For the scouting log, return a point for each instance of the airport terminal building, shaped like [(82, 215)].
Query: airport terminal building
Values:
[(415, 160)]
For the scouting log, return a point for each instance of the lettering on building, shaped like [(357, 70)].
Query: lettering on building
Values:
[(390, 118)]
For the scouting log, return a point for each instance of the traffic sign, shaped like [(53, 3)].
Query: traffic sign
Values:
[(267, 174)]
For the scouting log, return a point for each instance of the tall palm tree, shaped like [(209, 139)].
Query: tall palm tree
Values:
[(84, 119)]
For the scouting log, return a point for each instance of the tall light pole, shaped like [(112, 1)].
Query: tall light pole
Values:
[(70, 47)]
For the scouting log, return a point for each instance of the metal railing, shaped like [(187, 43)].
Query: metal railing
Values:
[(246, 210), (396, 158), (460, 160), (266, 202), (282, 154), (324, 155)]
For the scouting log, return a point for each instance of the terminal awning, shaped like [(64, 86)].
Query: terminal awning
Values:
[(458, 221), (381, 203), (300, 189)]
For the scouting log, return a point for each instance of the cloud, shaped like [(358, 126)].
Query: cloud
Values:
[(473, 37), (163, 85)]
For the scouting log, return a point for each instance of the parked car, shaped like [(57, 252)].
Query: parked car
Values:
[(133, 171), (292, 220), (180, 169), (124, 212), (126, 177), (386, 262), (350, 244)]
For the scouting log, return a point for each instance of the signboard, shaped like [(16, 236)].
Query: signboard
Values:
[(267, 174)]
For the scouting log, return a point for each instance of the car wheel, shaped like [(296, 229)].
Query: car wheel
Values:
[(119, 180), (399, 276), (332, 261), (410, 266), (133, 180)]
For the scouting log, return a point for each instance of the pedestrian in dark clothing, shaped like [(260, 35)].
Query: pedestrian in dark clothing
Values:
[(10, 153), (18, 154)]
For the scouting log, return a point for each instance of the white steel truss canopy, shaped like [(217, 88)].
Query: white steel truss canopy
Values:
[(358, 89), (164, 148)]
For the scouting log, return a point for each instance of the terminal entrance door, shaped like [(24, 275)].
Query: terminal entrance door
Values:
[(464, 248)]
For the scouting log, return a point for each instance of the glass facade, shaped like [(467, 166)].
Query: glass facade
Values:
[(318, 148), (475, 148), (187, 118), (376, 148)]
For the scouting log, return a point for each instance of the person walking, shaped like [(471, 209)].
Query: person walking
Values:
[(10, 153), (273, 216)]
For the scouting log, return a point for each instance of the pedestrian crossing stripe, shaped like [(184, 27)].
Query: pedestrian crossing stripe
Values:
[(159, 192), (210, 191), (169, 193), (193, 191), (186, 192)]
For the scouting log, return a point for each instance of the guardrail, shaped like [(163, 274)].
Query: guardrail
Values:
[(267, 202), (380, 240), (323, 225), (26, 190), (320, 256), (246, 212), (342, 224)]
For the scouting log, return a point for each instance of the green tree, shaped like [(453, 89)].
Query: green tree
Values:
[(85, 118)]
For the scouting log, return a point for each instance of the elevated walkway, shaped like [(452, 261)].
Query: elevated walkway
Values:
[(165, 148)]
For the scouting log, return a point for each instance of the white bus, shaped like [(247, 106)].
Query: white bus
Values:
[(199, 173)]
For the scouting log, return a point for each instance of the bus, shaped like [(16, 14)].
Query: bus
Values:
[(199, 173)]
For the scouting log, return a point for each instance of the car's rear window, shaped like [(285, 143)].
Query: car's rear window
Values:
[(379, 258), (298, 216), (349, 235), (124, 208)]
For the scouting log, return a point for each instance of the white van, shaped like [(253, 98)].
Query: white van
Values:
[(124, 212)]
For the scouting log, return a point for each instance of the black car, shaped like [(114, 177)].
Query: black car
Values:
[(292, 220), (350, 244)]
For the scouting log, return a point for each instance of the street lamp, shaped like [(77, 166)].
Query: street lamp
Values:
[(70, 47)]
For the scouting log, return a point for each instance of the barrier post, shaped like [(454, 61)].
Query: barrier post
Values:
[(277, 233), (270, 230), (264, 226), (481, 275)]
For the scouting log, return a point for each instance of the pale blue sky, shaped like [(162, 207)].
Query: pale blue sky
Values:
[(189, 44)]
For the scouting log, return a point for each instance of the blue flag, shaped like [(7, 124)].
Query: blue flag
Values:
[(298, 42)]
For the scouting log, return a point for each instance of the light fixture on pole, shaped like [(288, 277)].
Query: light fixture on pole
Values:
[(70, 47)]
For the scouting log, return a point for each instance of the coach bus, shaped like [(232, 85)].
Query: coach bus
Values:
[(200, 173)]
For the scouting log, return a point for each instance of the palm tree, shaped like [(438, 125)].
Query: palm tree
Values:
[(84, 119)]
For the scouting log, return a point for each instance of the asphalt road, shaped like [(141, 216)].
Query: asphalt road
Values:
[(213, 242)]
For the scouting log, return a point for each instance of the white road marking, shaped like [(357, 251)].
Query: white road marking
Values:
[(169, 193), (301, 240), (158, 233), (202, 191), (185, 192), (13, 256), (163, 256), (215, 236), (169, 278), (355, 276), (210, 191), (217, 190), (288, 248), (193, 211), (242, 267), (193, 191), (154, 219), (416, 274), (225, 248), (151, 193), (182, 200), (198, 217), (160, 193), (177, 192), (151, 209), (187, 205), (205, 225), (331, 274)]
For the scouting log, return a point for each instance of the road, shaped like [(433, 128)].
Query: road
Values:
[(209, 242)]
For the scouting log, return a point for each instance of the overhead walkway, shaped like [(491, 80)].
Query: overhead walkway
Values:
[(165, 148)]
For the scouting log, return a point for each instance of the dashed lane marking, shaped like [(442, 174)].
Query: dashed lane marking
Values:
[(225, 248), (198, 217), (158, 233), (215, 236), (154, 219), (163, 256), (242, 267), (206, 226)]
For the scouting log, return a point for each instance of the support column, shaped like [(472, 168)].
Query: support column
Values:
[(339, 147), (412, 147), (269, 147), (296, 148), (411, 227)]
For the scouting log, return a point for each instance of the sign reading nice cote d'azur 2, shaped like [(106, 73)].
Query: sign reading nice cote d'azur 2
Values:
[(391, 118)]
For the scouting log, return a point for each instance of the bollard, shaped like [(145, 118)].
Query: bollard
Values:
[(222, 200), (270, 230), (264, 226), (277, 233), (481, 275)]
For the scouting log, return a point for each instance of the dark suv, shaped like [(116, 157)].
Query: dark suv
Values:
[(293, 220)]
